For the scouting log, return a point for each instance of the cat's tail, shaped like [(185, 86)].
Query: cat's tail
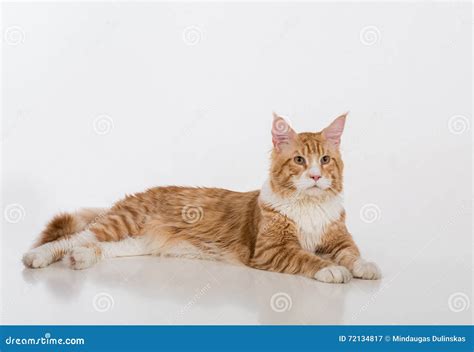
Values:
[(65, 224)]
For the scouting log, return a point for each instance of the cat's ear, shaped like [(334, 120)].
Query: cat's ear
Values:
[(333, 132), (282, 133)]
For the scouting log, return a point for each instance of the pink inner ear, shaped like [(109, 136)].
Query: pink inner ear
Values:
[(282, 132), (334, 131)]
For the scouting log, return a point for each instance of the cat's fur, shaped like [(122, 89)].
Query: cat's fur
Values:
[(295, 224)]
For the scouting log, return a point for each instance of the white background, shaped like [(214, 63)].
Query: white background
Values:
[(103, 99)]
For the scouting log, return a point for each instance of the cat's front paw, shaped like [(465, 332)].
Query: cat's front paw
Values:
[(363, 269), (334, 274)]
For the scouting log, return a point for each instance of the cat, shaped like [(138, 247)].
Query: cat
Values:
[(294, 224)]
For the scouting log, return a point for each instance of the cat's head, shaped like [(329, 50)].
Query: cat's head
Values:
[(306, 164)]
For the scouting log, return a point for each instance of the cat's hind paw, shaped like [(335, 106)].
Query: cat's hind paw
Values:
[(81, 258), (363, 269), (36, 259), (334, 274)]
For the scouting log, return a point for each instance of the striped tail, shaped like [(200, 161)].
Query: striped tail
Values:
[(66, 224)]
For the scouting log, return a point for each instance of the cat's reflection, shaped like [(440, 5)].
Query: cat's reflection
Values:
[(298, 300), (257, 296)]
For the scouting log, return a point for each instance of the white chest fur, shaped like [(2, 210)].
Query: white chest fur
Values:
[(311, 217)]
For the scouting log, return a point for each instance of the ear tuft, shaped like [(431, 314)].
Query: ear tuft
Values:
[(333, 132), (282, 133)]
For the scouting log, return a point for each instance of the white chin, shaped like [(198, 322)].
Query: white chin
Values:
[(314, 191)]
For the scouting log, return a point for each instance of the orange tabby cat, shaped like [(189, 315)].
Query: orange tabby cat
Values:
[(295, 224)]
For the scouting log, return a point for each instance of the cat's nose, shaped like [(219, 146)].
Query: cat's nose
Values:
[(315, 177)]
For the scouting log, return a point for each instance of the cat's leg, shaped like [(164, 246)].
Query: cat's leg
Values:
[(116, 234), (60, 235), (50, 252), (85, 256), (339, 246), (278, 249), (300, 262), (125, 219)]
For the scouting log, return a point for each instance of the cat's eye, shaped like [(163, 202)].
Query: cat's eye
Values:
[(325, 159), (299, 160)]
